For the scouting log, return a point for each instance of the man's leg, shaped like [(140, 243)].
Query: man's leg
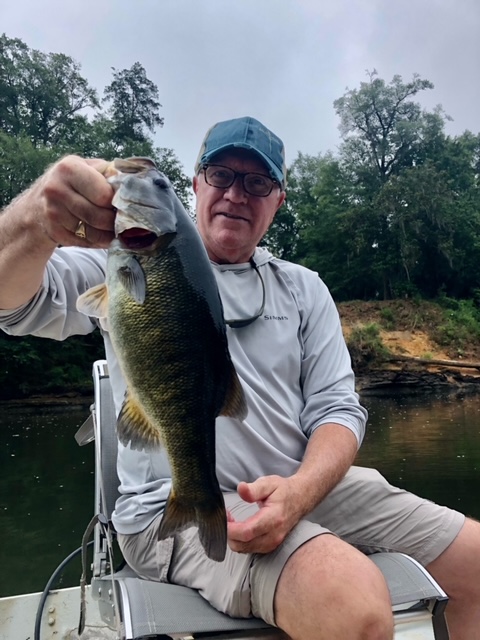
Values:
[(329, 590), (373, 515), (313, 580), (457, 570)]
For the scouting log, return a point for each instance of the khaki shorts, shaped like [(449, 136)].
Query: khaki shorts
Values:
[(364, 510)]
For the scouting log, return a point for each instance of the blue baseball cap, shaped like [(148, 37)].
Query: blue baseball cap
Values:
[(245, 133)]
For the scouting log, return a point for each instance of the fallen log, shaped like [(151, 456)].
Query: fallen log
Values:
[(436, 361)]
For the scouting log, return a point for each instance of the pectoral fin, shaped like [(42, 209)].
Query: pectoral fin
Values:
[(134, 427), (132, 278), (94, 302), (235, 405)]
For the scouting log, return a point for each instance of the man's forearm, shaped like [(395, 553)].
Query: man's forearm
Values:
[(24, 252), (71, 191), (330, 453)]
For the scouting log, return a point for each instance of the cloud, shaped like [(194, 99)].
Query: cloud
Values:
[(282, 62)]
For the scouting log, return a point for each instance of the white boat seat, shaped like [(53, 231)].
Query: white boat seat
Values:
[(148, 609)]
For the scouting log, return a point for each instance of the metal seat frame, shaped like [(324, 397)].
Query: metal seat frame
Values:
[(138, 608)]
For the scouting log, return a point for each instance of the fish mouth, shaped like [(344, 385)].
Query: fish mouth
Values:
[(137, 238)]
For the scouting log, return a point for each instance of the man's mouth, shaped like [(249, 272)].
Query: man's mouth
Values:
[(232, 216)]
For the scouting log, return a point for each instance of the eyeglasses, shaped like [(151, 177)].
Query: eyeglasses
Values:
[(255, 184), (244, 322)]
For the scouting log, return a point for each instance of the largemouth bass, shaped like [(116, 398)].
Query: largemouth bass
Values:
[(165, 319)]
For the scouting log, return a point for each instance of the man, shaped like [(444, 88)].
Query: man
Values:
[(299, 512)]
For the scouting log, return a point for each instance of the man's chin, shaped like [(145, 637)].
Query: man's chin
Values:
[(228, 247)]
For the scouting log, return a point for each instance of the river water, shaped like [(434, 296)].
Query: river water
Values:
[(427, 444)]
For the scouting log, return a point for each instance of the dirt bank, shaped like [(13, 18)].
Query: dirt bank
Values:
[(410, 330)]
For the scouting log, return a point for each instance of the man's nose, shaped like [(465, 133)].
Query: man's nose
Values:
[(235, 192)]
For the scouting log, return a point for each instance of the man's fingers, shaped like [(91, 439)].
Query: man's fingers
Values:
[(258, 490), (94, 237), (74, 191), (245, 492), (248, 529), (98, 164), (85, 178), (262, 543)]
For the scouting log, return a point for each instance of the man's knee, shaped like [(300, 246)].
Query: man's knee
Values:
[(328, 589), (457, 569)]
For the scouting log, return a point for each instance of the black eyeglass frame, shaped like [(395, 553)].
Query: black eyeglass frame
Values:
[(242, 175), (239, 323)]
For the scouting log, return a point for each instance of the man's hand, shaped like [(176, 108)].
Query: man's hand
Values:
[(283, 502), (74, 190), (47, 215), (279, 511)]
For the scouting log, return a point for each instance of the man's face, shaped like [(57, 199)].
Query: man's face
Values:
[(231, 221)]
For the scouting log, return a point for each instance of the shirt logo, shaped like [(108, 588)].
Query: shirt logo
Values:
[(265, 317)]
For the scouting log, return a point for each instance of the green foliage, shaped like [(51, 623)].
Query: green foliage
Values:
[(397, 212), (47, 110), (32, 365), (133, 102), (20, 164), (365, 346), (41, 95), (380, 125), (388, 318), (461, 324), (282, 236)]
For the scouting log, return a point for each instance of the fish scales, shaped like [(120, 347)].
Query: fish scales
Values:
[(168, 380), (164, 314)]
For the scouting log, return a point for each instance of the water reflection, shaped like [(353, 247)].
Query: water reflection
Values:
[(430, 445), (46, 495)]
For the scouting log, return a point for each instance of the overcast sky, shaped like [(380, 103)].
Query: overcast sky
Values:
[(281, 61)]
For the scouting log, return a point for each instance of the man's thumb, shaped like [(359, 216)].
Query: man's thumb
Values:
[(251, 491)]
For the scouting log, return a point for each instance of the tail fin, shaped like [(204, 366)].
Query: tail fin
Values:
[(210, 518)]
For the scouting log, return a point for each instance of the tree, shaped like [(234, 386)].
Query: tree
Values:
[(387, 140), (20, 164), (419, 209), (380, 125), (133, 102), (12, 54), (327, 212), (171, 166), (41, 95), (45, 112), (281, 238), (398, 210), (44, 103)]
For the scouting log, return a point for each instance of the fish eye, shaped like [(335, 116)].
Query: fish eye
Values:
[(161, 182)]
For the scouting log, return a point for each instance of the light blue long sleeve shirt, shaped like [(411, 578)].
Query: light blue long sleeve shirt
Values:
[(292, 361)]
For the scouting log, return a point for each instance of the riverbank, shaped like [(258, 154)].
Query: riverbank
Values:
[(64, 399), (418, 347), (398, 345)]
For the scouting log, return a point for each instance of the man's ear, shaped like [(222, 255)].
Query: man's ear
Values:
[(281, 199), (195, 184)]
